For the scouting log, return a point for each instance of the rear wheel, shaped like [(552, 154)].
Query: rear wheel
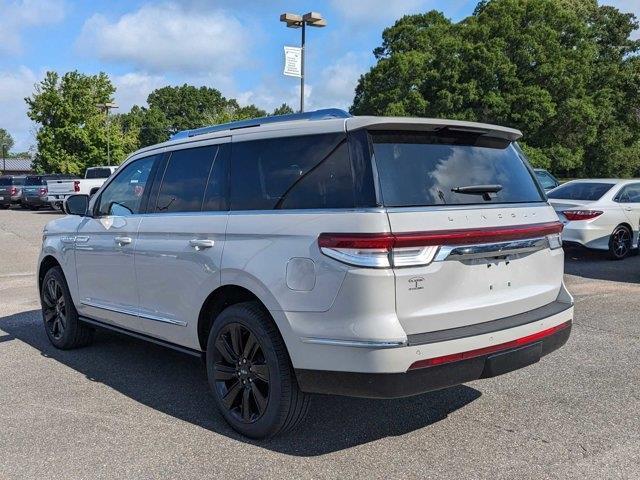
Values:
[(64, 329), (620, 243), (250, 373)]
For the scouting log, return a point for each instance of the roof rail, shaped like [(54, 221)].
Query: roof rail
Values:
[(325, 114)]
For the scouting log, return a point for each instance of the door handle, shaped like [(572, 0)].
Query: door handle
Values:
[(122, 240), (201, 244)]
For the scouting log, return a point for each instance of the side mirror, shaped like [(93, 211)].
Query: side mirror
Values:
[(76, 205)]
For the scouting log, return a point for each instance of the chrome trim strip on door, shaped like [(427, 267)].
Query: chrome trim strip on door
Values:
[(490, 250), (134, 313)]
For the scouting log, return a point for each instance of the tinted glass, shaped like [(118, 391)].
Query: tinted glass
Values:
[(98, 173), (422, 169), (630, 194), (217, 187), (123, 196), (581, 191), (310, 171), (34, 180), (5, 181), (546, 180), (185, 180)]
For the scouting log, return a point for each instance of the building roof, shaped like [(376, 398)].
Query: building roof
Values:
[(16, 164)]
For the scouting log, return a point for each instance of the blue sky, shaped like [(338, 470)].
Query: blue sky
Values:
[(235, 46)]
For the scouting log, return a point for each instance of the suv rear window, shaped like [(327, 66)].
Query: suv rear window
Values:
[(424, 169), (589, 191), (98, 173), (5, 181), (33, 180)]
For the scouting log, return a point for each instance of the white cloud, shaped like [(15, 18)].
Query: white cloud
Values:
[(15, 85), (18, 15), (134, 88), (168, 37)]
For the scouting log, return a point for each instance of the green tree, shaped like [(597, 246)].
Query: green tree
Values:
[(73, 132), (283, 109), (7, 140), (565, 72), (171, 109)]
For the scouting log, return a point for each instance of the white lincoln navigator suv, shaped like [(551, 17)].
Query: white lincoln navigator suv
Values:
[(317, 253)]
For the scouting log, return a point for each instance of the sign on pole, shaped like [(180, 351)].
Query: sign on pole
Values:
[(293, 61)]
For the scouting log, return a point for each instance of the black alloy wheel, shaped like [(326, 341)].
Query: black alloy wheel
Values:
[(250, 373), (620, 243), (54, 309), (241, 373), (61, 322)]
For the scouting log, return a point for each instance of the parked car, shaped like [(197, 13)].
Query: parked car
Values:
[(10, 190), (548, 181), (601, 214), (94, 177), (35, 191), (294, 263)]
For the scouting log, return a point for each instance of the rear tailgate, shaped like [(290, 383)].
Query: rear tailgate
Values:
[(472, 205), (456, 290), (61, 187)]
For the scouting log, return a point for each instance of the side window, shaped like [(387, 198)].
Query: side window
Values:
[(310, 171), (123, 196), (185, 180), (630, 194), (215, 198), (546, 180)]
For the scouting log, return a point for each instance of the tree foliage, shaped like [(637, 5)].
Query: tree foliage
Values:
[(565, 72), (73, 132), (171, 109), (6, 140)]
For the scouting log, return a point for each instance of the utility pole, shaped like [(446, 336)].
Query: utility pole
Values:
[(313, 19), (106, 107), (4, 159)]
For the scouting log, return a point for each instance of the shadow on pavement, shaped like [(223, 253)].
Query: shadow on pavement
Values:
[(593, 264), (176, 385)]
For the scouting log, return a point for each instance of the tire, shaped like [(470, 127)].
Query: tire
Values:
[(620, 243), (259, 398), (59, 315)]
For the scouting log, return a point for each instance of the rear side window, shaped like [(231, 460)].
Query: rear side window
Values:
[(185, 180), (589, 191), (304, 172), (629, 194), (546, 180), (98, 173)]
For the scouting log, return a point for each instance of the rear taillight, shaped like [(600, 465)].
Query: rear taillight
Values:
[(576, 215), (412, 249), (43, 191), (76, 185), (14, 191)]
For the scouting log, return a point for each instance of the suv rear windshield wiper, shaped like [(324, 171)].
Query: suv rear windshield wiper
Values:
[(484, 190)]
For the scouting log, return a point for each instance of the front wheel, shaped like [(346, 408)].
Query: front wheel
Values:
[(620, 243), (61, 322), (250, 373)]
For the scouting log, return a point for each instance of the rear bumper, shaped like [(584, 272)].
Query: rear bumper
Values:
[(35, 201), (420, 380), (587, 234)]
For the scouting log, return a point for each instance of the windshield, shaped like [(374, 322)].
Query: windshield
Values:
[(98, 173), (424, 169), (589, 191)]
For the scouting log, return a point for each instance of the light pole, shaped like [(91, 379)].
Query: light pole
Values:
[(313, 19), (106, 107)]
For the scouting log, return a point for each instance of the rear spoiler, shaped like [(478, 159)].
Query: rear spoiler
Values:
[(431, 125)]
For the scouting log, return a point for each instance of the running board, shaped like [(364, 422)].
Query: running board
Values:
[(142, 336)]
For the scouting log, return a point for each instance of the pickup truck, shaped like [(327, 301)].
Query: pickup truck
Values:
[(93, 179)]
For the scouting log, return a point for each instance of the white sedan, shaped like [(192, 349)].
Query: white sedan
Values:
[(602, 214)]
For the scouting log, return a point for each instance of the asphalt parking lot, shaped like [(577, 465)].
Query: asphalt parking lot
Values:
[(126, 409)]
